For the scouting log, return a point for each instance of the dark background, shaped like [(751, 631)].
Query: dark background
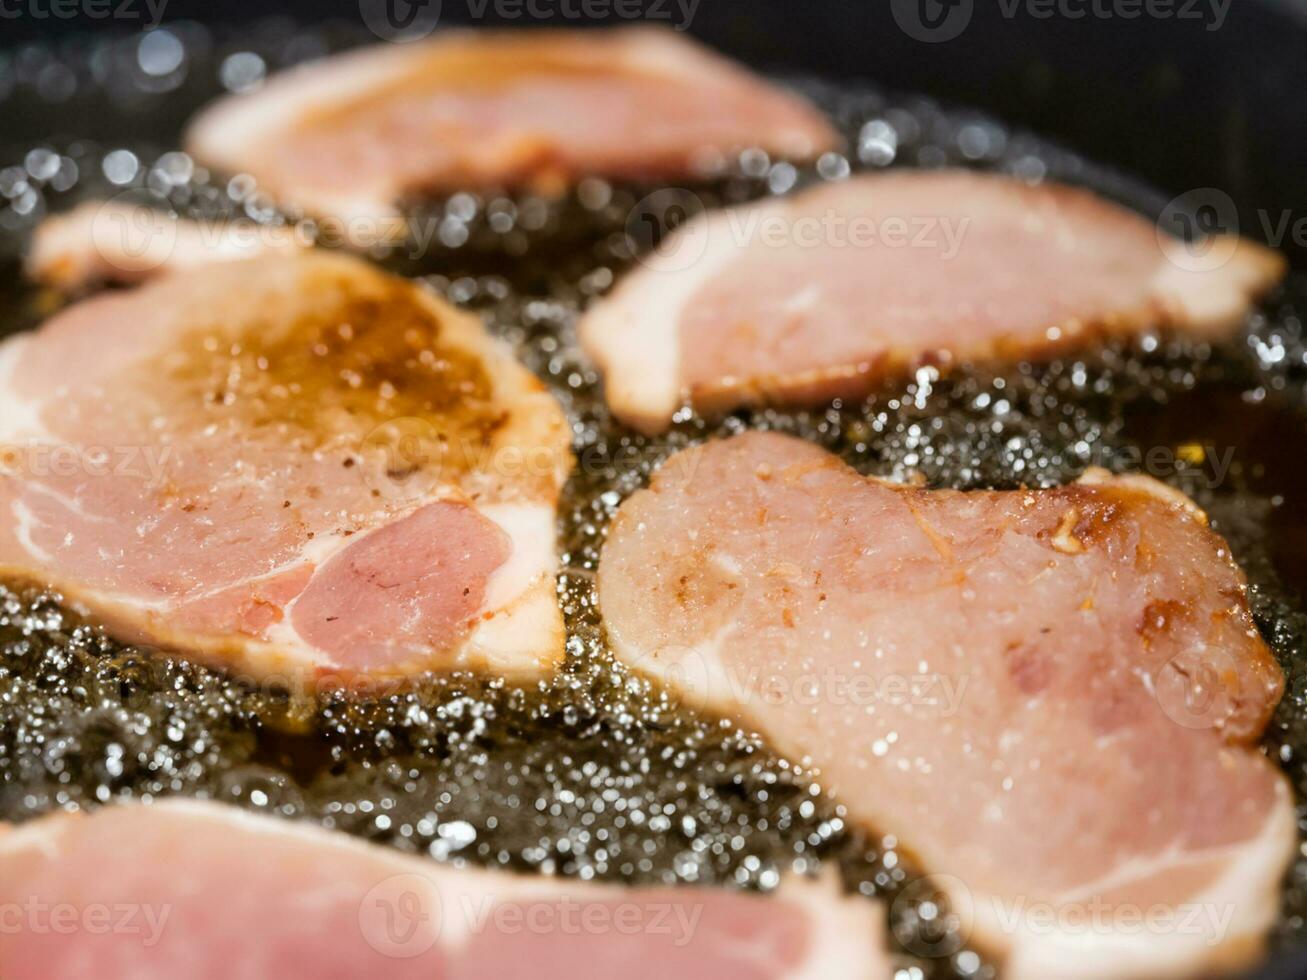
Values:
[(1170, 100)]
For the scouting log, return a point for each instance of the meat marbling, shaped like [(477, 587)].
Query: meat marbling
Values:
[(800, 300), (194, 889), (1051, 697), (300, 468)]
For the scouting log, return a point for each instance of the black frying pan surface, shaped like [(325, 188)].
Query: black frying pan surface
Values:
[(1141, 112)]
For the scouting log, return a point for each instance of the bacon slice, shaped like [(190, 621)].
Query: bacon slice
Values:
[(1052, 697), (347, 137), (301, 468), (800, 300), (114, 242), (200, 890)]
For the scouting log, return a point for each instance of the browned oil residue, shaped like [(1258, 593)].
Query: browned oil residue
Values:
[(355, 356)]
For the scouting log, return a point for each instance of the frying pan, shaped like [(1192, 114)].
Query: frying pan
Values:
[(1207, 99)]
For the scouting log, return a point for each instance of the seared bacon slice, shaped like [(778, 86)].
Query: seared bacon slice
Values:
[(1051, 697), (304, 469), (115, 242), (347, 137), (800, 300), (200, 890)]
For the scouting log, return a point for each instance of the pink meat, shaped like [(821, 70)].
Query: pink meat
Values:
[(402, 586), (200, 890), (348, 137), (1051, 697), (112, 241), (800, 300), (293, 468)]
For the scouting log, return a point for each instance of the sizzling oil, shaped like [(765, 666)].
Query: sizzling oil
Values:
[(596, 774)]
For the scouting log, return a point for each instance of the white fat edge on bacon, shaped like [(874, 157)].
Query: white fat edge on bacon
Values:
[(633, 334), (228, 133), (849, 930), (1242, 903), (20, 419), (112, 241), (1229, 917), (1212, 297), (519, 617), (521, 633)]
